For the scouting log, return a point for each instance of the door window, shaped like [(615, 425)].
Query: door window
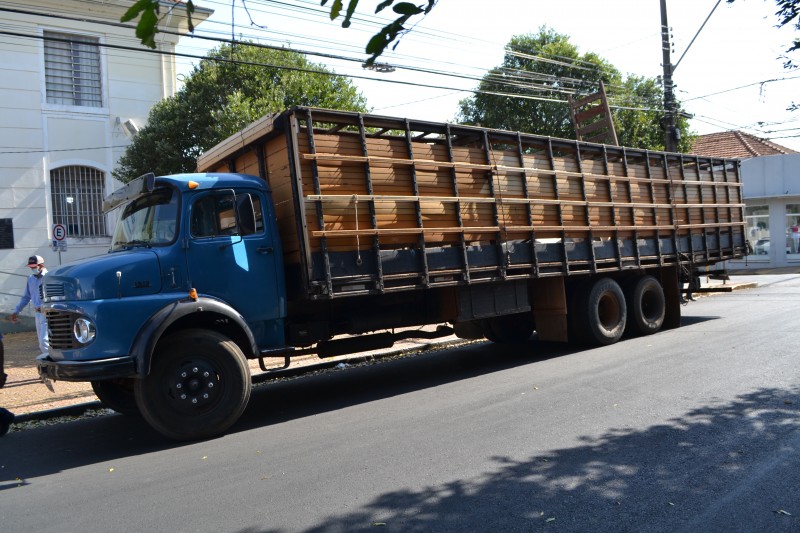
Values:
[(226, 214)]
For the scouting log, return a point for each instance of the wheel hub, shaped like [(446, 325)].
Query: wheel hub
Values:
[(195, 384)]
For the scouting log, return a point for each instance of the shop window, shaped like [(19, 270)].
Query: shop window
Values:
[(793, 231), (757, 218)]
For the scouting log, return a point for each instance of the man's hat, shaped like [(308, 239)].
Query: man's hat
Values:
[(35, 260)]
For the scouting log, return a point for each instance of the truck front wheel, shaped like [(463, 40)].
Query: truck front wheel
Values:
[(198, 386)]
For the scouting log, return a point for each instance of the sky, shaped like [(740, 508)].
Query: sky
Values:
[(730, 78)]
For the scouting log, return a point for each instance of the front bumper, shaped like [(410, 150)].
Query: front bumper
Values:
[(117, 367)]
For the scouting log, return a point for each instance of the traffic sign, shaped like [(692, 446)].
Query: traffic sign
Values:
[(59, 242), (59, 232)]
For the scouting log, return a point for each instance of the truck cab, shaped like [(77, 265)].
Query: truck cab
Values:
[(190, 252)]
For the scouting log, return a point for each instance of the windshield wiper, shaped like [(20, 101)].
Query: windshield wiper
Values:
[(136, 242)]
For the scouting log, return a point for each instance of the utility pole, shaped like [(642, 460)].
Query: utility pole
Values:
[(670, 129)]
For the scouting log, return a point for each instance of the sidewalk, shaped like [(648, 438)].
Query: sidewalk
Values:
[(27, 397)]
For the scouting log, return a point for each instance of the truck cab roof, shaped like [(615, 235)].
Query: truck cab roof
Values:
[(183, 182)]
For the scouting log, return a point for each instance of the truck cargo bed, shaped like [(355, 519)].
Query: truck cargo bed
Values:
[(369, 204)]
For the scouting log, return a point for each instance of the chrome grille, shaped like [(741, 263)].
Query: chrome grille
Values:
[(59, 330)]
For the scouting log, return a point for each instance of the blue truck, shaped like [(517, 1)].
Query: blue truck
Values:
[(325, 232)]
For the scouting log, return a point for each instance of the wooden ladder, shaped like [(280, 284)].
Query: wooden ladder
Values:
[(591, 117)]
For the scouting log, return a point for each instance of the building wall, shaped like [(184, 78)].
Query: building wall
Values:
[(771, 191), (37, 137)]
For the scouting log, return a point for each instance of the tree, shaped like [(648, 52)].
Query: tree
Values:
[(643, 129), (231, 88), (528, 92), (149, 12)]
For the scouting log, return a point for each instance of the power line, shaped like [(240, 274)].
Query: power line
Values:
[(258, 45), (502, 82), (520, 80), (762, 82)]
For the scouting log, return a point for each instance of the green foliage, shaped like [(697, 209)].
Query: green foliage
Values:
[(534, 70), (389, 33), (642, 129), (221, 97), (540, 69), (148, 10)]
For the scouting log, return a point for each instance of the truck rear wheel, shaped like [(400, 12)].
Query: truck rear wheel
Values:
[(198, 386), (646, 305), (599, 313), (117, 395)]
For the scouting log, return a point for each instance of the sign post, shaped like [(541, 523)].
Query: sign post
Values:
[(59, 242)]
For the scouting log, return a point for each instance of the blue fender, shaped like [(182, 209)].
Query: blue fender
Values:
[(152, 330)]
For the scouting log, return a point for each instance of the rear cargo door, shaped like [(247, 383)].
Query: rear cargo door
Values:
[(231, 255)]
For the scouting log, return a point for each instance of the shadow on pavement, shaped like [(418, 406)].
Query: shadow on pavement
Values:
[(727, 467), (104, 438)]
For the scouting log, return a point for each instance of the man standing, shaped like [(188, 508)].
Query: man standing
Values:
[(34, 292)]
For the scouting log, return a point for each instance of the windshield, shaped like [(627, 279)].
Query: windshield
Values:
[(147, 221)]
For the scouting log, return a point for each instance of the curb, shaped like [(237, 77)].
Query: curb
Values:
[(70, 410), (728, 288)]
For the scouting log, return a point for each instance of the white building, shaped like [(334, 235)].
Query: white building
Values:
[(771, 190), (772, 211), (76, 88)]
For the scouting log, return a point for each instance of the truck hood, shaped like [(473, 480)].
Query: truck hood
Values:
[(117, 275)]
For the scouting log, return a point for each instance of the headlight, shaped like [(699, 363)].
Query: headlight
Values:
[(84, 330)]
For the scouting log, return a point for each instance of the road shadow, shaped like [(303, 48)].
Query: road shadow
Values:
[(727, 467), (279, 401), (89, 441), (692, 320)]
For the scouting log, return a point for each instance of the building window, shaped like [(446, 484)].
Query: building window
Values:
[(757, 218), (77, 194), (6, 233), (793, 231), (72, 70)]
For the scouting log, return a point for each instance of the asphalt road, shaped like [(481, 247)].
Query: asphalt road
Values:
[(693, 429)]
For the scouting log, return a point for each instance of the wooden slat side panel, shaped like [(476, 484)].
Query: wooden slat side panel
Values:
[(341, 164), (278, 169)]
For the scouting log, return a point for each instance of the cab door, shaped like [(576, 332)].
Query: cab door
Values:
[(231, 255)]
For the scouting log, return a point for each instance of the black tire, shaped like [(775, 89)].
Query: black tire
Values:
[(117, 395), (646, 306), (599, 313), (509, 329), (198, 386), (486, 327)]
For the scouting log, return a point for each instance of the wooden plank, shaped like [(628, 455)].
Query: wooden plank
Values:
[(491, 201)]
